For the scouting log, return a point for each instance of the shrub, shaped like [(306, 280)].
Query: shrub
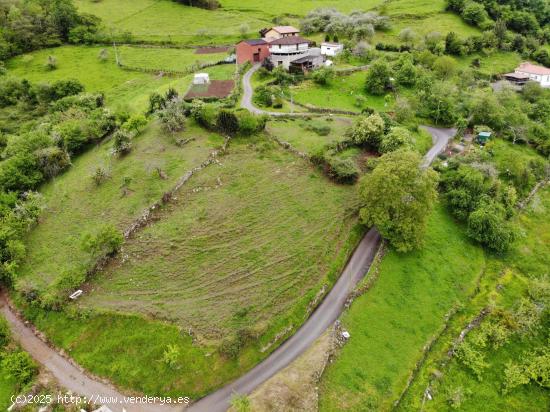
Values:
[(122, 142), (397, 138), (227, 122), (487, 224), (20, 366), (51, 63), (319, 129), (249, 123), (378, 78), (322, 76), (368, 130), (100, 175), (204, 114), (106, 241), (4, 333), (172, 116), (342, 170), (472, 358), (52, 160)]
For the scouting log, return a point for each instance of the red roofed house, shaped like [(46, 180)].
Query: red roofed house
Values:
[(253, 51), (539, 74)]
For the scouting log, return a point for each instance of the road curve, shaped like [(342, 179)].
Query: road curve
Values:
[(326, 313), (66, 373), (248, 92), (74, 379)]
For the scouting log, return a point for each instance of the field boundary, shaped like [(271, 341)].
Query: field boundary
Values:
[(174, 73)]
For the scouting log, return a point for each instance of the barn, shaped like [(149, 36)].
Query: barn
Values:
[(253, 51)]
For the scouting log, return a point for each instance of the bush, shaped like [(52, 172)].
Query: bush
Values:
[(319, 129), (106, 241), (204, 114), (20, 366), (368, 130), (249, 123), (227, 122), (322, 76), (263, 96), (472, 358), (397, 138), (378, 78), (172, 116), (4, 333), (342, 170), (487, 224), (100, 175), (122, 142)]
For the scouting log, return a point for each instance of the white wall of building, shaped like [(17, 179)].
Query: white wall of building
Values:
[(543, 80), (331, 49)]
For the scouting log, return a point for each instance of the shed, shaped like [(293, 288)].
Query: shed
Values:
[(201, 78), (252, 50), (483, 137)]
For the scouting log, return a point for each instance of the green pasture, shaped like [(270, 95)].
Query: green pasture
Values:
[(76, 206), (391, 323)]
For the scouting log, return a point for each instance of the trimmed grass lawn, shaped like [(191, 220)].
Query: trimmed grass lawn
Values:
[(296, 132), (75, 205), (123, 89), (391, 323), (340, 93), (246, 243)]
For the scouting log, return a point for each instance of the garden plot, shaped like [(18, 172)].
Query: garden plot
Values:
[(76, 206), (247, 244)]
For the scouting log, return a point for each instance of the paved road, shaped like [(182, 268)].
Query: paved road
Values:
[(67, 374), (72, 378), (440, 138), (325, 314), (248, 92)]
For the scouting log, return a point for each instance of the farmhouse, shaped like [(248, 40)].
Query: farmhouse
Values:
[(331, 49), (527, 71), (287, 49), (253, 51), (278, 32)]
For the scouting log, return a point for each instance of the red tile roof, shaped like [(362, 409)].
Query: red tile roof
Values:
[(533, 69)]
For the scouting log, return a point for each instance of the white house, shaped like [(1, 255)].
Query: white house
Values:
[(201, 78), (287, 49), (539, 74), (331, 49)]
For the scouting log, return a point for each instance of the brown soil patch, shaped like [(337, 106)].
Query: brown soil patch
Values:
[(211, 50), (216, 88)]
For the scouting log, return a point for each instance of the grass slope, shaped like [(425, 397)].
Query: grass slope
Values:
[(246, 242), (391, 323), (75, 205), (123, 89), (250, 253), (530, 258)]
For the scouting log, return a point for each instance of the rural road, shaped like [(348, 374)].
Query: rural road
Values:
[(77, 381), (66, 373), (326, 313), (248, 92)]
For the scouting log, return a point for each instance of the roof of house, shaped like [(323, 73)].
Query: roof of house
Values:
[(254, 42), (519, 76), (290, 40), (301, 60), (327, 43), (285, 29), (533, 69)]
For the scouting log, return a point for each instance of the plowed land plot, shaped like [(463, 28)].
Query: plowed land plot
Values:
[(211, 50), (248, 242), (75, 205), (216, 88)]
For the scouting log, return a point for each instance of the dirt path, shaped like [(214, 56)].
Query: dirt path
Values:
[(66, 372), (76, 380)]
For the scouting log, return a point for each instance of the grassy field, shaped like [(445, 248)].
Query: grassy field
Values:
[(247, 246), (391, 323), (167, 59), (495, 63), (299, 134), (123, 89), (246, 242), (340, 93), (156, 20), (75, 205), (530, 258)]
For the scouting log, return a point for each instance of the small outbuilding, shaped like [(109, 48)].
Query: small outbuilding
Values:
[(483, 137), (201, 78), (253, 51), (331, 49)]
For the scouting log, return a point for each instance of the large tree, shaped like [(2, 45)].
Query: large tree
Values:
[(397, 198)]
